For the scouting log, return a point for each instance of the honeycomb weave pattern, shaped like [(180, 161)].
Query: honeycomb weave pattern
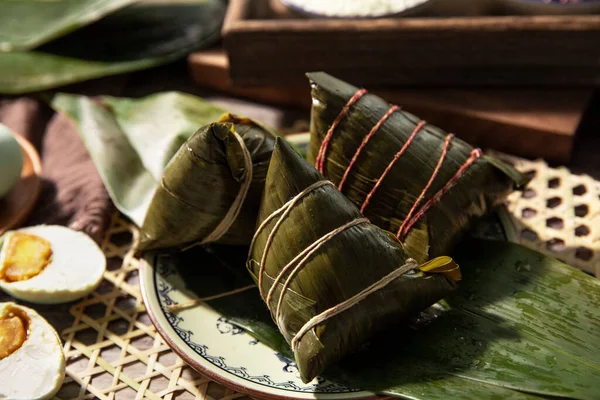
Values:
[(558, 214), (112, 349)]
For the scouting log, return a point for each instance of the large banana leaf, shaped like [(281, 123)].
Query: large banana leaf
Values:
[(144, 35), (26, 24), (520, 326), (33, 71), (147, 29)]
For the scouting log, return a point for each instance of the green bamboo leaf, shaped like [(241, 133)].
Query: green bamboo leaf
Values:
[(128, 183), (519, 322), (147, 29), (26, 24), (128, 141), (33, 71), (157, 125), (144, 35), (512, 324), (147, 133)]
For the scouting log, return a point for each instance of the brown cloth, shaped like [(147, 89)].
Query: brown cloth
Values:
[(72, 191)]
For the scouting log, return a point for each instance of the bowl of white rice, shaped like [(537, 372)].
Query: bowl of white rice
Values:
[(356, 8)]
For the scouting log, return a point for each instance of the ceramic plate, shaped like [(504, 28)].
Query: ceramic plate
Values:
[(19, 202), (213, 346), (222, 351)]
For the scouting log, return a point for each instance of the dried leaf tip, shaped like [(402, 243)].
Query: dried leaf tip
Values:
[(221, 130), (443, 265), (322, 80)]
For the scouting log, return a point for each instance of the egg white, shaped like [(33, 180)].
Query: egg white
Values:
[(36, 370), (75, 269)]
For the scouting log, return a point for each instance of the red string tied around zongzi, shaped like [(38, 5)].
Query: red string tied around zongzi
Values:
[(413, 215), (320, 161), (404, 227), (365, 142), (399, 154), (473, 157)]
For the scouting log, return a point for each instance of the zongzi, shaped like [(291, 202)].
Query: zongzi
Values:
[(211, 188), (407, 176), (330, 278)]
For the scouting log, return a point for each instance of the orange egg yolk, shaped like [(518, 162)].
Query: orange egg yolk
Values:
[(25, 257), (13, 332)]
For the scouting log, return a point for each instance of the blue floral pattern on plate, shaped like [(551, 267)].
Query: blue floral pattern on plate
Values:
[(165, 291)]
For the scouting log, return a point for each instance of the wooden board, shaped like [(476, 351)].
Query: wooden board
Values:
[(527, 122), (266, 47)]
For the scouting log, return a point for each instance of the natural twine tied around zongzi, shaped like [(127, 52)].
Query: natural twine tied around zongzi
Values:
[(223, 227), (300, 260)]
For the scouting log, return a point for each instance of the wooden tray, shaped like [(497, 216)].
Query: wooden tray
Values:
[(522, 121), (267, 46)]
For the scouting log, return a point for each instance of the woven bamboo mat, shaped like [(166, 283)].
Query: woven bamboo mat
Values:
[(113, 351), (558, 214)]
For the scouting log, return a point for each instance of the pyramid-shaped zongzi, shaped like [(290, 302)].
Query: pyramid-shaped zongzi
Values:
[(329, 277), (211, 188)]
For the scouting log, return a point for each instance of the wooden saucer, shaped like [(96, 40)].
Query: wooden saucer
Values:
[(19, 202)]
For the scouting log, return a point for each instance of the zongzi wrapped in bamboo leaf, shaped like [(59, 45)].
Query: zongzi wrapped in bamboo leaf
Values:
[(407, 176), (329, 277), (211, 188)]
